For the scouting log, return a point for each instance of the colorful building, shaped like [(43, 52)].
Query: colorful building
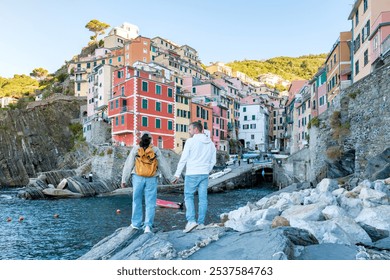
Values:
[(254, 121), (338, 66), (364, 16), (380, 39), (142, 101)]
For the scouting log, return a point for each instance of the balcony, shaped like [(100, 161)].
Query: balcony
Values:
[(127, 109), (79, 70), (345, 84), (385, 47)]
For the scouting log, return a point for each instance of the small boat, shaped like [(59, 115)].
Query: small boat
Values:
[(169, 204)]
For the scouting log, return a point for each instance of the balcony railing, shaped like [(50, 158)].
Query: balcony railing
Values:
[(125, 109), (385, 47)]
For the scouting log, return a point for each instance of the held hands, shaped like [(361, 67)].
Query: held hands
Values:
[(176, 180), (123, 185)]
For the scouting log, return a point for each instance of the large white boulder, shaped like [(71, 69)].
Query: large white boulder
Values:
[(324, 231), (376, 217), (333, 211), (372, 198), (352, 206), (327, 185), (311, 212)]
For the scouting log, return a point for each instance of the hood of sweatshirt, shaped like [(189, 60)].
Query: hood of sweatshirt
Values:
[(202, 138)]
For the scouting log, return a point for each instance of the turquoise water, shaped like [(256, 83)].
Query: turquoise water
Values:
[(82, 223)]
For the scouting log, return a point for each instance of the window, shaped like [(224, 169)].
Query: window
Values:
[(122, 119), (158, 123), (322, 100), (170, 125), (245, 118), (111, 105), (144, 86), (158, 89), (158, 106), (78, 86), (144, 104), (334, 58), (170, 108), (356, 67), (365, 5), (116, 103), (88, 65), (119, 58), (365, 57), (253, 117), (170, 92), (357, 17), (144, 121), (194, 90), (244, 109), (252, 136), (123, 91), (376, 45), (116, 121), (357, 43)]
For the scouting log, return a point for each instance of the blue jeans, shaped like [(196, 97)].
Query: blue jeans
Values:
[(191, 184), (141, 185)]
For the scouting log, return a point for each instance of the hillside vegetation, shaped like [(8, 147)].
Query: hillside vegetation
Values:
[(289, 68)]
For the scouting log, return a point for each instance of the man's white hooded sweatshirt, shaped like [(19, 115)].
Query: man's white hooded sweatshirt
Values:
[(199, 156)]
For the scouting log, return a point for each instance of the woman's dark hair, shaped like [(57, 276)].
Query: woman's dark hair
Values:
[(145, 141)]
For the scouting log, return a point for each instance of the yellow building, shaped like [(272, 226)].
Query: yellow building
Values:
[(183, 119)]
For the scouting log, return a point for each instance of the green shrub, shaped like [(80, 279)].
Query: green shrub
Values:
[(314, 121)]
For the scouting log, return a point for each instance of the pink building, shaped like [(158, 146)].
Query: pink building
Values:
[(380, 38)]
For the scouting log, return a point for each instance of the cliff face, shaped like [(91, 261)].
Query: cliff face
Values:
[(355, 131), (35, 139)]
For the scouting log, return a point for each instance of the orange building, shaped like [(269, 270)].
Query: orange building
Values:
[(204, 113), (137, 49)]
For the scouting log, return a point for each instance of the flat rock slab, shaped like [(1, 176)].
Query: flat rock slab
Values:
[(329, 251)]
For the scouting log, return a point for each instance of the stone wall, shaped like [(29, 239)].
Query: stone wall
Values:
[(108, 161), (295, 168), (362, 133)]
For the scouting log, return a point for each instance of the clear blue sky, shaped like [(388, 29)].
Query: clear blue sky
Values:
[(45, 33)]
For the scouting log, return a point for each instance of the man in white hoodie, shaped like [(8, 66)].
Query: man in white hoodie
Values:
[(199, 157)]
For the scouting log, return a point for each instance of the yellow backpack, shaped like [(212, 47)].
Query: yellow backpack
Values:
[(146, 162)]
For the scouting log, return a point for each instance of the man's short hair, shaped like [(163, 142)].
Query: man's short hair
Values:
[(197, 125)]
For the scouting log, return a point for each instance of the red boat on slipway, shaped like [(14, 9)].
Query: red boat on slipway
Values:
[(169, 204)]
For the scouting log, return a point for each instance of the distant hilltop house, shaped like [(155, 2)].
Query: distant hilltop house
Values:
[(5, 101)]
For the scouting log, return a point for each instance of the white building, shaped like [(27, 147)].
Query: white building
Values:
[(254, 122), (99, 92), (118, 35)]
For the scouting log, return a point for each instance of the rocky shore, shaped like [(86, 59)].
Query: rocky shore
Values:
[(328, 221)]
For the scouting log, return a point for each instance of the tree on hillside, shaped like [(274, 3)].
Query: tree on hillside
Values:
[(18, 86), (96, 27), (39, 73)]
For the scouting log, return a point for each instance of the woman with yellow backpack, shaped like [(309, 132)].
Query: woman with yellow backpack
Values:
[(143, 166)]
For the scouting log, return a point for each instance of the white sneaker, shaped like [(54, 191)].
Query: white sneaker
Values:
[(134, 227), (201, 226), (190, 226), (147, 229)]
